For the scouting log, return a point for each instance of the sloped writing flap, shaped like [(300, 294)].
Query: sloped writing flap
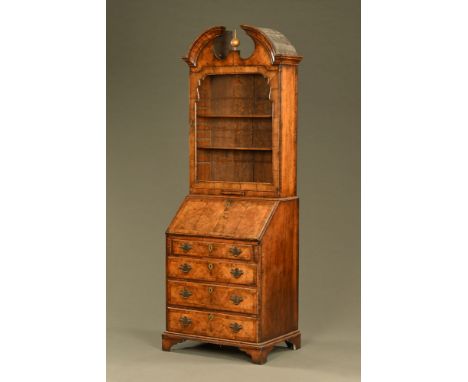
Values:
[(219, 217)]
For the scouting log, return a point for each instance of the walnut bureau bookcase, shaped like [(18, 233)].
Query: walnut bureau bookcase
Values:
[(232, 248)]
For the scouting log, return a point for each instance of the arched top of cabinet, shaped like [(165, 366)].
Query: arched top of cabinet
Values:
[(271, 47)]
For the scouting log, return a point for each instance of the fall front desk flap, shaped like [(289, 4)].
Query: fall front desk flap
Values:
[(223, 217)]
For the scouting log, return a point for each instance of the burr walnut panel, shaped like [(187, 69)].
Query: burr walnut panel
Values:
[(213, 296), (212, 324), (216, 249), (222, 217), (211, 270)]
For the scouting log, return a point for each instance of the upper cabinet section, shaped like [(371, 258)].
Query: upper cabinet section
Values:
[(243, 114)]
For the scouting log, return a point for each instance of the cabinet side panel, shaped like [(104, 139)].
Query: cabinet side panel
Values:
[(288, 135), (279, 273)]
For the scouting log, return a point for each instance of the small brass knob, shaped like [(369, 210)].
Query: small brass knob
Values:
[(210, 266), (210, 290)]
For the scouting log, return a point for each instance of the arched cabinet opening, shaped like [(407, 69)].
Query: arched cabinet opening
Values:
[(233, 123)]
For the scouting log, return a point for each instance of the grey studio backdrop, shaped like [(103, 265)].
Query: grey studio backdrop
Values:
[(147, 153)]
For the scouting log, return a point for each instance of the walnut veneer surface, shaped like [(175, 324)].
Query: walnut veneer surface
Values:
[(232, 248)]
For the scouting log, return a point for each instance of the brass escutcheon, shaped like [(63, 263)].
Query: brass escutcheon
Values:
[(210, 266), (210, 289), (210, 316), (210, 247)]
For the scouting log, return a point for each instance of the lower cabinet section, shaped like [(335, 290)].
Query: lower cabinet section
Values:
[(212, 296), (212, 324), (238, 290)]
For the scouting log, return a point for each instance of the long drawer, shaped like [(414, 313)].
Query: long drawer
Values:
[(234, 299), (211, 270), (204, 248), (212, 324)]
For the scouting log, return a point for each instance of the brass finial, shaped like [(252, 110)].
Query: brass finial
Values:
[(235, 41)]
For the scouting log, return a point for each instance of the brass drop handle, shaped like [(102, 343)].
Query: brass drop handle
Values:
[(236, 300), (210, 290), (235, 251), (210, 266), (185, 267), (185, 293), (235, 327), (185, 321), (186, 247), (236, 272)]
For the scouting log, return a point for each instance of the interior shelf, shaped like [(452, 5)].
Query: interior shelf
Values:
[(234, 130), (234, 115), (205, 147)]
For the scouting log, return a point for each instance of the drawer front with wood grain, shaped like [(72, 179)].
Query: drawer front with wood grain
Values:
[(234, 251), (211, 270), (212, 296), (212, 324)]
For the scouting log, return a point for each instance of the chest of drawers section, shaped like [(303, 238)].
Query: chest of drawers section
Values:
[(212, 288)]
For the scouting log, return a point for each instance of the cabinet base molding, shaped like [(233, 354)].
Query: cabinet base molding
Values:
[(258, 352)]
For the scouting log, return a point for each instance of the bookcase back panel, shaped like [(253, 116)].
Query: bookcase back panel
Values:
[(234, 129), (235, 166), (236, 94)]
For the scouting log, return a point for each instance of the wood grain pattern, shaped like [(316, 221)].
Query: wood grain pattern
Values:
[(288, 79), (212, 248), (213, 296), (279, 272), (211, 270), (213, 324), (227, 218)]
